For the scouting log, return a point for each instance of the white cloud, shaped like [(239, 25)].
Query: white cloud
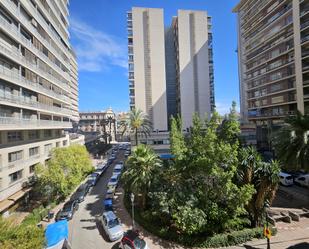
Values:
[(97, 50)]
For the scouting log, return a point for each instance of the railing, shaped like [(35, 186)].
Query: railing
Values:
[(20, 100), (284, 113), (32, 123), (29, 84), (46, 27), (49, 77)]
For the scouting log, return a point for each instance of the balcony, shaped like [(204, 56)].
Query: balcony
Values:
[(14, 54), (256, 114), (23, 102), (27, 23), (13, 75), (10, 123)]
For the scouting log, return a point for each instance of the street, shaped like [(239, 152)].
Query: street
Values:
[(85, 231)]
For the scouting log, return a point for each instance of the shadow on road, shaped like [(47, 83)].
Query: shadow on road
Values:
[(116, 246), (251, 247), (303, 245)]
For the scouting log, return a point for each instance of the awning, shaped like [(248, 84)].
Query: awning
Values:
[(19, 194), (5, 205)]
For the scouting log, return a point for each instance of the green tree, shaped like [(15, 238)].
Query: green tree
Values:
[(136, 122), (178, 145), (230, 128), (13, 236), (64, 171), (291, 142), (141, 167)]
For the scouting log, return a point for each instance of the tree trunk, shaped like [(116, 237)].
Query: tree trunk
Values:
[(136, 138)]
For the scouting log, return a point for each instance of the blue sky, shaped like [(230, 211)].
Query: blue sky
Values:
[(98, 34)]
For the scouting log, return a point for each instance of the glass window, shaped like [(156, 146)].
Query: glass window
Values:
[(14, 136), (32, 169), (65, 142), (33, 135), (15, 156), (16, 176), (47, 148), (47, 133), (33, 151)]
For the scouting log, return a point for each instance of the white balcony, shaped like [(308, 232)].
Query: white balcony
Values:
[(23, 102), (14, 76), (15, 55), (10, 123), (26, 22)]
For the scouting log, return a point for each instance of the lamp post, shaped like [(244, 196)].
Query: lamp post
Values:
[(267, 231), (132, 204)]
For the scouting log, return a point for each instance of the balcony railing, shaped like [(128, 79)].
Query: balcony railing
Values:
[(21, 100), (11, 122), (14, 74), (34, 67)]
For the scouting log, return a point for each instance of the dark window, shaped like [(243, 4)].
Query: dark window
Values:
[(16, 176), (15, 156)]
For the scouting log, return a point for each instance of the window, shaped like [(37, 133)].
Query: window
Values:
[(15, 156), (33, 151), (16, 176), (33, 135), (32, 169), (57, 144), (14, 136), (65, 142), (47, 133), (47, 148)]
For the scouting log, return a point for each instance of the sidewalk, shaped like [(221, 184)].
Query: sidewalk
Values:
[(288, 234)]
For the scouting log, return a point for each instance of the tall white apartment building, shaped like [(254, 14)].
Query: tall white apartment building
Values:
[(193, 44), (38, 89), (170, 69), (147, 75)]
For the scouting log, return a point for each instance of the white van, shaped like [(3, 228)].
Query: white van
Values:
[(285, 179), (302, 180)]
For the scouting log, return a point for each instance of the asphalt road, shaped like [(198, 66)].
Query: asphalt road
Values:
[(85, 230)]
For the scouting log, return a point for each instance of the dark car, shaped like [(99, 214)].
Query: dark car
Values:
[(132, 240), (108, 204), (68, 210), (81, 192), (93, 179)]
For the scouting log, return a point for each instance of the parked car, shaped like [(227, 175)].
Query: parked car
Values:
[(93, 179), (112, 226), (108, 204), (118, 169), (68, 210), (113, 157), (113, 181), (302, 180), (285, 179), (81, 192), (132, 240), (111, 189)]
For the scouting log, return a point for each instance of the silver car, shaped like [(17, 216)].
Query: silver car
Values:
[(112, 226)]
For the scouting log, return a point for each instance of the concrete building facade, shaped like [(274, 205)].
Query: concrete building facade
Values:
[(273, 52), (38, 89), (170, 69)]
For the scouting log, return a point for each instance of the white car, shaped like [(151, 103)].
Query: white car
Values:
[(111, 225), (285, 179), (302, 180), (113, 181), (118, 169)]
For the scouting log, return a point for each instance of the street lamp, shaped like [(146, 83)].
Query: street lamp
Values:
[(132, 204), (267, 230)]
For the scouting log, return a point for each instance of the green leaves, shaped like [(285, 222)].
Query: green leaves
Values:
[(292, 144), (64, 171)]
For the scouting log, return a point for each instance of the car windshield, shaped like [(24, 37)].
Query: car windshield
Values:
[(139, 243), (113, 223), (113, 179), (67, 208)]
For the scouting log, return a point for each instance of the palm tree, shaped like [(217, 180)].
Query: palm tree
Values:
[(140, 168), (136, 122), (264, 177), (292, 144)]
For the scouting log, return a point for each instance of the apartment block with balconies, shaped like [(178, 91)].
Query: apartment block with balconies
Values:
[(38, 88), (273, 48)]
